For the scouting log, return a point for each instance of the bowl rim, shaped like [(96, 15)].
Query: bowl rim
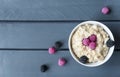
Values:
[(110, 52)]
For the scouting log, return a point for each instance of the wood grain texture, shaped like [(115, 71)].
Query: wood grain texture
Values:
[(27, 64), (42, 35), (24, 38), (58, 10)]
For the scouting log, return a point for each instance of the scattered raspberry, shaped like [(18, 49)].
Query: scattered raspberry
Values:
[(61, 62), (51, 50), (105, 10)]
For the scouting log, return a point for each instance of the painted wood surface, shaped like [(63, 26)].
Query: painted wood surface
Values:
[(29, 27), (41, 35), (58, 9), (27, 64)]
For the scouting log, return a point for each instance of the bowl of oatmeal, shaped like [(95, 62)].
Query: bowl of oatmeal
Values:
[(91, 43)]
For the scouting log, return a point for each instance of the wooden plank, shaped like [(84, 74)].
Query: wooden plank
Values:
[(41, 35), (27, 64), (1, 64), (58, 10)]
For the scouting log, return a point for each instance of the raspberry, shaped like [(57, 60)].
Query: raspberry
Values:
[(93, 38), (86, 41), (105, 10), (92, 45), (51, 50), (61, 62)]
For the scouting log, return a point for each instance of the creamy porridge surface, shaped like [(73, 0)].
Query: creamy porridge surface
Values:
[(84, 31)]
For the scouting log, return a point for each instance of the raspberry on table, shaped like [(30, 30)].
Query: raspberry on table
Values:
[(61, 62), (105, 10), (51, 50)]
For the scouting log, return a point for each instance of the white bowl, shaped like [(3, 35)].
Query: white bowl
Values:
[(110, 50)]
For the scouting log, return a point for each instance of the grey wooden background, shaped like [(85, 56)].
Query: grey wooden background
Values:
[(29, 27)]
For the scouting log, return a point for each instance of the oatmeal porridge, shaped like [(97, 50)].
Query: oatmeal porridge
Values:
[(89, 43)]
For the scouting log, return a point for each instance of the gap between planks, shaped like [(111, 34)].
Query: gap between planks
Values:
[(36, 21)]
